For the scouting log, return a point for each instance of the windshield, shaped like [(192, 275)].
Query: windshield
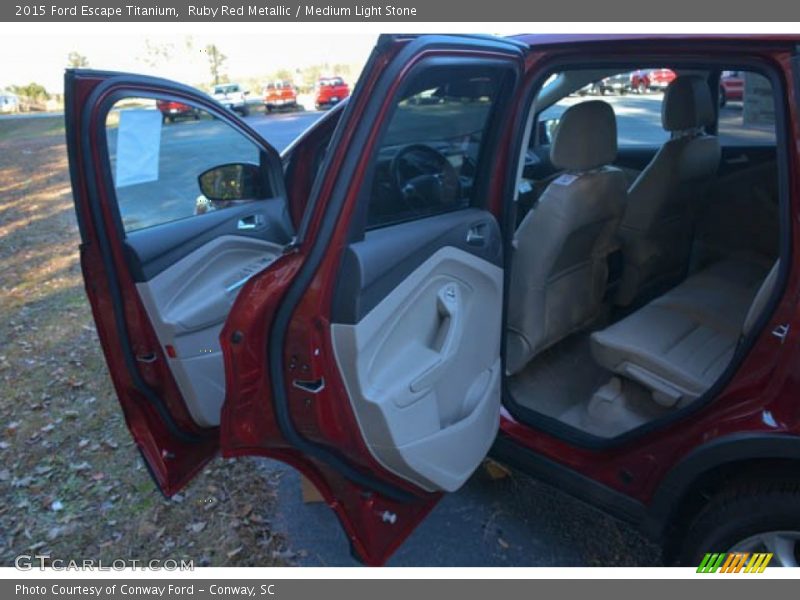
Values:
[(226, 89)]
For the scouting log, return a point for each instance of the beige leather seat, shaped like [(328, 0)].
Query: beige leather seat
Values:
[(559, 270), (657, 226), (678, 345)]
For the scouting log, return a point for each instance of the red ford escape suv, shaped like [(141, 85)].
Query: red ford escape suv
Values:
[(606, 303)]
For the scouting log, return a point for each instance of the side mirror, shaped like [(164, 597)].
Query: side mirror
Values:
[(233, 181), (247, 92), (546, 131)]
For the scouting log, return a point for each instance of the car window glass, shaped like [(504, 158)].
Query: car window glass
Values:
[(635, 97), (747, 109), (158, 149), (428, 156)]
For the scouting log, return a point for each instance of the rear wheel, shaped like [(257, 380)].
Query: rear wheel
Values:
[(751, 517)]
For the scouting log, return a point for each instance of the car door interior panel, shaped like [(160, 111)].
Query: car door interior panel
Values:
[(416, 303), (188, 303), (152, 250), (374, 266), (422, 369)]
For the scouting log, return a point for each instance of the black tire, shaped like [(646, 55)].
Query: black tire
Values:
[(171, 119), (245, 111), (269, 108), (739, 513)]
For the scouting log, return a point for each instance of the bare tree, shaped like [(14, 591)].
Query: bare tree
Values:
[(77, 60), (216, 59), (157, 54)]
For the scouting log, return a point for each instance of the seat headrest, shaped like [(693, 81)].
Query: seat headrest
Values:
[(687, 104), (586, 137)]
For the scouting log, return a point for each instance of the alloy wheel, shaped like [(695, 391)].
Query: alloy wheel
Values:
[(784, 545)]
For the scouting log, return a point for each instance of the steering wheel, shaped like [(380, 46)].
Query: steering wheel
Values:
[(424, 176)]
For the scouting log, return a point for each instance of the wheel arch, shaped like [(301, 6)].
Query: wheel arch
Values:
[(712, 467)]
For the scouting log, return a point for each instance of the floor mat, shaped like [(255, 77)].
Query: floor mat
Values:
[(560, 378), (561, 381)]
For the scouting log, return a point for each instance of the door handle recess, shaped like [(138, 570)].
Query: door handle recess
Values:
[(446, 339), (737, 160), (476, 235), (250, 222)]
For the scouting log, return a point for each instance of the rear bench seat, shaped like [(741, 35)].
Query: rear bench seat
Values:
[(680, 343)]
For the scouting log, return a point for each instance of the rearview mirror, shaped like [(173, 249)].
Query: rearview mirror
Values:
[(234, 181)]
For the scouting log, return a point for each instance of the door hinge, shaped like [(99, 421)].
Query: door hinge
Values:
[(781, 331)]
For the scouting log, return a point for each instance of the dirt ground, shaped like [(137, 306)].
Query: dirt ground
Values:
[(71, 481)]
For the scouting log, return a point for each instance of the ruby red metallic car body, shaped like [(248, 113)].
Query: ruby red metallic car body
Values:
[(280, 321)]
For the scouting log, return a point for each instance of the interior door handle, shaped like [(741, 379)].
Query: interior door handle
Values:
[(737, 160), (476, 235), (249, 223), (447, 338)]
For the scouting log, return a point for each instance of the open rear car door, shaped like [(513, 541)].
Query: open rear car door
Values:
[(361, 345)]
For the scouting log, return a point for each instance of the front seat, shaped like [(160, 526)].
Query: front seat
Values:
[(559, 270), (657, 227)]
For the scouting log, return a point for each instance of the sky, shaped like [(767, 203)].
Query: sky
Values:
[(42, 59)]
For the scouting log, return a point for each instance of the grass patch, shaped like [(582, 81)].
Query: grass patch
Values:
[(28, 128), (71, 480)]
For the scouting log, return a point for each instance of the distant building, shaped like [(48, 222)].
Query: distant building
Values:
[(9, 103)]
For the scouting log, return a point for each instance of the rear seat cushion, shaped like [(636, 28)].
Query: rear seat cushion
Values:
[(679, 344)]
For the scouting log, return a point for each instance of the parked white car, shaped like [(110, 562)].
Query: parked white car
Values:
[(233, 96)]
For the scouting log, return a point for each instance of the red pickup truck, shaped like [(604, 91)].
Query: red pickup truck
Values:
[(330, 91)]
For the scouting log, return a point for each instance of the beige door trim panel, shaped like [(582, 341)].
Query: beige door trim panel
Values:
[(422, 370), (188, 304)]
